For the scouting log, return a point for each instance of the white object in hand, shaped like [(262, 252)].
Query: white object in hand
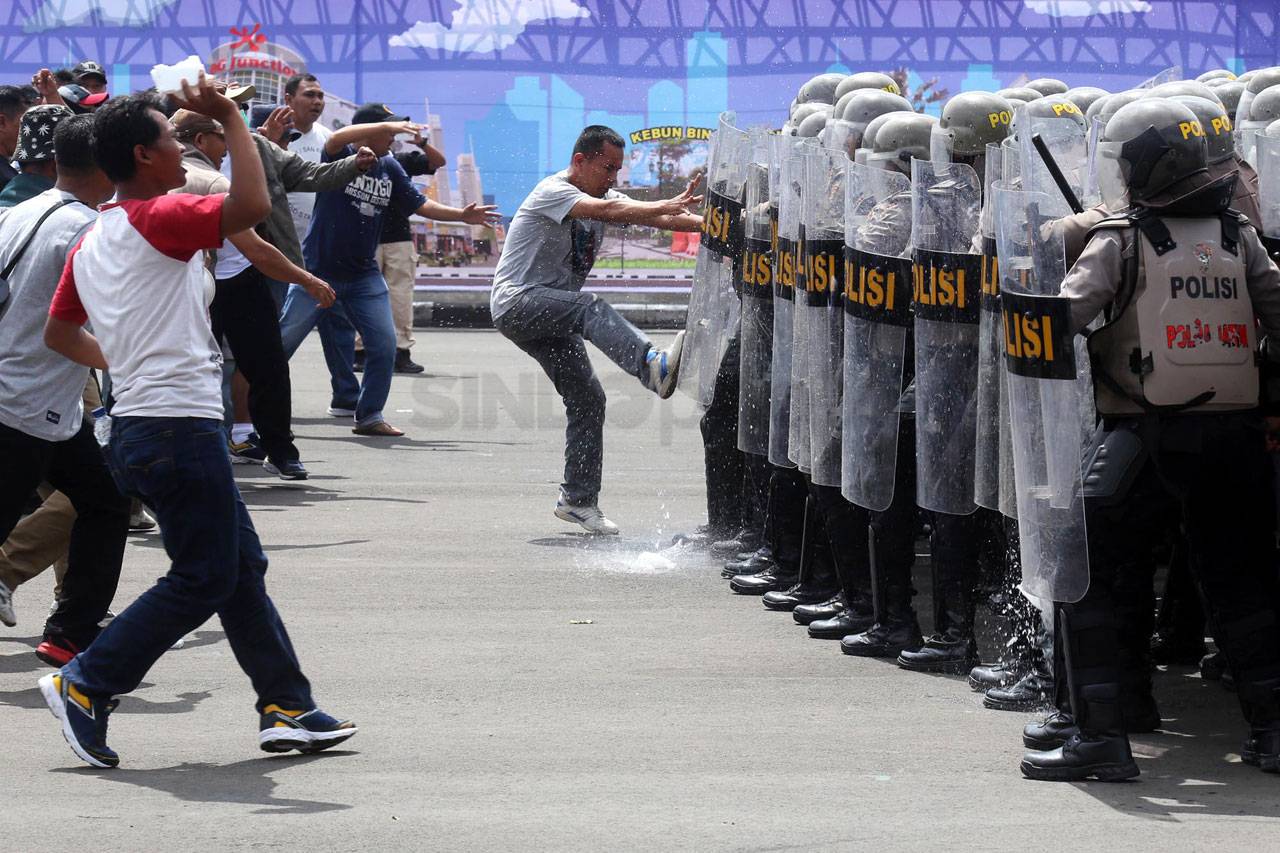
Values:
[(168, 78)]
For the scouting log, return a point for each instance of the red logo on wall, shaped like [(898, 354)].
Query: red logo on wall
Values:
[(249, 38)]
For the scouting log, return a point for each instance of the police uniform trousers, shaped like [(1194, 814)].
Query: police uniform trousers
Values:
[(1211, 472)]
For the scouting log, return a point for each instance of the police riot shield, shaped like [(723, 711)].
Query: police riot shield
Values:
[(986, 465), (785, 200), (1068, 144), (713, 303), (822, 214), (755, 283), (1050, 404), (1166, 76), (877, 324), (1267, 156), (945, 205), (793, 171)]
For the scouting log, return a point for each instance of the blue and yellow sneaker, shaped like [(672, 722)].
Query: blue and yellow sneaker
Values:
[(84, 720), (305, 731), (247, 452)]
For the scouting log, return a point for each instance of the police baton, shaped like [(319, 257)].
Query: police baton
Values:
[(1056, 173)]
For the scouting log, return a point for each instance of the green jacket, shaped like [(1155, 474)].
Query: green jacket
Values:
[(286, 173)]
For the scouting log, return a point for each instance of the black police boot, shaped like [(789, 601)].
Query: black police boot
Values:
[(890, 636), (983, 677), (1032, 692), (942, 653), (817, 583), (853, 619), (1050, 733), (807, 614), (759, 561), (1099, 749), (776, 578), (745, 541), (1260, 701)]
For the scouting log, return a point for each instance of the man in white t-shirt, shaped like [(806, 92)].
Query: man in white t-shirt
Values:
[(305, 96), (537, 302), (138, 275)]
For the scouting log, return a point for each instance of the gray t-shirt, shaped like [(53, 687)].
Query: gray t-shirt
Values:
[(40, 391), (545, 247)]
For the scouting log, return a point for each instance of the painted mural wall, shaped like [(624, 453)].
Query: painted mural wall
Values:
[(507, 84)]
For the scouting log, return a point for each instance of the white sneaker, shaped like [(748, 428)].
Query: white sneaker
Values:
[(590, 518), (336, 412), (664, 368), (7, 615)]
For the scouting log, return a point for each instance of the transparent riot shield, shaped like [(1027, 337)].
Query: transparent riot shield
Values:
[(986, 465), (945, 205), (1068, 145), (792, 205), (822, 214), (1268, 166), (877, 325), (713, 302), (785, 197), (1048, 405), (755, 283), (1166, 76)]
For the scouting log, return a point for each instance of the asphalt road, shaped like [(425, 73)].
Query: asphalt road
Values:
[(521, 688)]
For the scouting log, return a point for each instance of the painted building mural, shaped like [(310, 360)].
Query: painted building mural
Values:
[(506, 85)]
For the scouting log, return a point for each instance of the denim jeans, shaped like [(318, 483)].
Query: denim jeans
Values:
[(179, 467), (551, 325), (363, 305)]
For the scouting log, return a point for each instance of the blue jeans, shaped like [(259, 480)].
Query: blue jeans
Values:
[(179, 467), (363, 304)]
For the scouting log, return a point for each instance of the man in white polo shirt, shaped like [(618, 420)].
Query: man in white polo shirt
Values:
[(139, 277)]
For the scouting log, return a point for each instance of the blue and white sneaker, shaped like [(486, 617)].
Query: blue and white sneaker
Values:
[(664, 368), (288, 469), (84, 720), (306, 731)]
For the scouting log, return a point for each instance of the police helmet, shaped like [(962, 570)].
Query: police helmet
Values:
[(1148, 147), (1216, 74), (867, 80), (1022, 93), (812, 124), (820, 89), (862, 105), (1048, 86), (1182, 87), (1085, 96), (902, 138), (1216, 123), (969, 121)]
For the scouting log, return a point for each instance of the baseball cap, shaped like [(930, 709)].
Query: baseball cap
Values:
[(88, 68), (35, 132), (80, 99), (374, 112)]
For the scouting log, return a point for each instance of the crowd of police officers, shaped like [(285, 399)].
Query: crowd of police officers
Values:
[(1035, 330)]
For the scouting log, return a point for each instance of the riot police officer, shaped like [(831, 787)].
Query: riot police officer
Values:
[(1178, 279)]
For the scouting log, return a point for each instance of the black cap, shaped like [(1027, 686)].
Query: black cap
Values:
[(88, 68), (372, 113)]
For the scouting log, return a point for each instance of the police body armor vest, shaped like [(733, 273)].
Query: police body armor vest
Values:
[(1184, 340)]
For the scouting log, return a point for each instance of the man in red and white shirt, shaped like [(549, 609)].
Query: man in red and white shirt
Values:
[(138, 276)]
